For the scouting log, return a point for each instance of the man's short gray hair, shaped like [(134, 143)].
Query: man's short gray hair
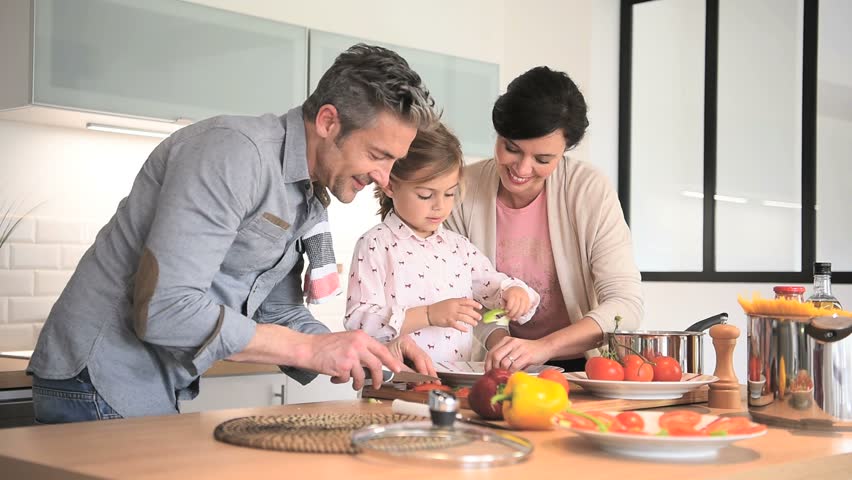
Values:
[(365, 80)]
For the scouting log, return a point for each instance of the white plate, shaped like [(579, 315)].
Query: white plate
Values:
[(640, 390), (662, 447), (465, 374)]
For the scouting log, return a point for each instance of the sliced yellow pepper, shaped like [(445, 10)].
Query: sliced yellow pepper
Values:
[(529, 403)]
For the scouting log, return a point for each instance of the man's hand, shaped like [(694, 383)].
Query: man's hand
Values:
[(345, 355), (405, 348), (455, 313), (516, 302)]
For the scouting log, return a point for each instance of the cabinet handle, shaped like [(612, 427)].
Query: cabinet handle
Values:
[(282, 395)]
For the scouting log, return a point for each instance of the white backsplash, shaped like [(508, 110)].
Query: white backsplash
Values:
[(77, 178)]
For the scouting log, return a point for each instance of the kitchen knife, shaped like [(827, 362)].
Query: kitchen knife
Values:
[(404, 376), (403, 407)]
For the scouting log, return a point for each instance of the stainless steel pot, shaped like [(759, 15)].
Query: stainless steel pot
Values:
[(800, 371), (687, 347)]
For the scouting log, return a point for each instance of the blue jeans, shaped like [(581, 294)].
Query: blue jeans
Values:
[(70, 400)]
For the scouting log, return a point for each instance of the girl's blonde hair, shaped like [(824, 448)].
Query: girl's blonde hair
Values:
[(433, 153)]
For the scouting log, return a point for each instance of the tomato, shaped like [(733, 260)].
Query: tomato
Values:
[(554, 375), (632, 421), (462, 392), (426, 387), (680, 422), (667, 369), (600, 368), (754, 368), (636, 369), (650, 354)]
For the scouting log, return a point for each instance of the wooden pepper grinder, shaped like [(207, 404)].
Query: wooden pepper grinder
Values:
[(725, 393)]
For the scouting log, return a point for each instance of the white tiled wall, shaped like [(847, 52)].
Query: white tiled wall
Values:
[(75, 178), (35, 265)]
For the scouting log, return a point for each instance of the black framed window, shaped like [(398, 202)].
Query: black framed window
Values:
[(720, 127)]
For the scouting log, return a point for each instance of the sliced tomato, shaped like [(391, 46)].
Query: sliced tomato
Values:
[(575, 421), (462, 392), (732, 426), (426, 387), (680, 422), (632, 421), (612, 424)]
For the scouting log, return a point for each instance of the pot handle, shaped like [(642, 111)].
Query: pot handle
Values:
[(829, 329), (702, 325)]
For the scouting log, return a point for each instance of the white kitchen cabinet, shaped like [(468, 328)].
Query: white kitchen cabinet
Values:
[(320, 390), (465, 88), (166, 60), (263, 389), (237, 391)]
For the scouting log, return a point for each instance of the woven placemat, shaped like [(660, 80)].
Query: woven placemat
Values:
[(323, 433)]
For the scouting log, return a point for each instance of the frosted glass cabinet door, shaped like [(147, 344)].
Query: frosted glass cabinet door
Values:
[(164, 59), (667, 135), (759, 137), (465, 89)]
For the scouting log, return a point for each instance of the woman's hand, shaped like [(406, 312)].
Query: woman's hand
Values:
[(517, 354), (455, 313), (516, 302)]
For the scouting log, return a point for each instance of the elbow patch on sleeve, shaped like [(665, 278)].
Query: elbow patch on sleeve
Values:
[(215, 333), (145, 283)]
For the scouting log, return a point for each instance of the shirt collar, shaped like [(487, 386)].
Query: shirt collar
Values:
[(294, 156), (402, 231)]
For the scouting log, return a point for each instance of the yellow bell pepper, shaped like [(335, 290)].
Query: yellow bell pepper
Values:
[(529, 403)]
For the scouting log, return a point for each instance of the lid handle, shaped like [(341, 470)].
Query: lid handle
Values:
[(829, 329), (443, 407)]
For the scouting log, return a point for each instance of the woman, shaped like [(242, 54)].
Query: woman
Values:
[(553, 221)]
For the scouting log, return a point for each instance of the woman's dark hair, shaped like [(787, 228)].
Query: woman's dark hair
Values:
[(538, 103), (432, 153)]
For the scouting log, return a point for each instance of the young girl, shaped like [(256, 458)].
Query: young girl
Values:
[(411, 276)]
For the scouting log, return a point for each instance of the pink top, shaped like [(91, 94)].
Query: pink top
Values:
[(393, 270), (524, 251)]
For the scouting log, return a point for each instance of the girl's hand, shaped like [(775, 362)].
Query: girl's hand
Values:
[(455, 313), (516, 302)]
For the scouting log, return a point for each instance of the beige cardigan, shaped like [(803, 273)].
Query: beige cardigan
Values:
[(591, 242)]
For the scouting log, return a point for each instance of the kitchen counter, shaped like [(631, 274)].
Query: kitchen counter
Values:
[(13, 371), (182, 446)]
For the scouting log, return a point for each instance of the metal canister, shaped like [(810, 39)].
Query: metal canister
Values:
[(800, 371)]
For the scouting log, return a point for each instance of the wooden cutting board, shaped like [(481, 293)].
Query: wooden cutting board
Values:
[(581, 400)]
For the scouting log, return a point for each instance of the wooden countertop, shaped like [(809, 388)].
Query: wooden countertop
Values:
[(13, 371), (182, 446)]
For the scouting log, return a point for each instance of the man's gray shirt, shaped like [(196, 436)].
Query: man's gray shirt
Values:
[(201, 250)]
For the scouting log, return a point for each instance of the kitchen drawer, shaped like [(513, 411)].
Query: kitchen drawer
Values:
[(16, 408)]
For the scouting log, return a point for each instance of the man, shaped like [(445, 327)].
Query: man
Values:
[(200, 261)]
